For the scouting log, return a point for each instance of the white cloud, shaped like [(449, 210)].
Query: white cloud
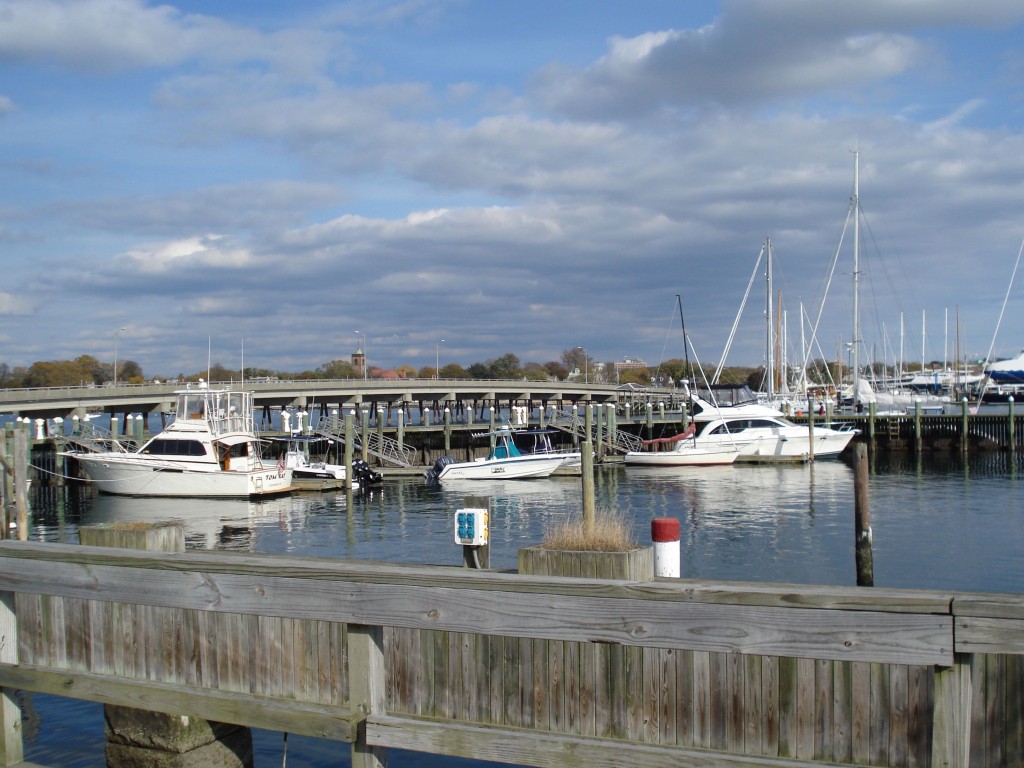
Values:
[(191, 254), (10, 304)]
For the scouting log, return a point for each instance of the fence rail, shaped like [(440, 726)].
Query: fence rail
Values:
[(528, 669)]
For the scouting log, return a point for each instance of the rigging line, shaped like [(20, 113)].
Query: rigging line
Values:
[(735, 323), (1009, 286), (664, 345), (828, 281)]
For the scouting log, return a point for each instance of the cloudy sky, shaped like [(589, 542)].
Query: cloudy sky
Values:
[(525, 177)]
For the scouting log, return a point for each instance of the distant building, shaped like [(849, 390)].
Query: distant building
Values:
[(359, 361), (627, 364)]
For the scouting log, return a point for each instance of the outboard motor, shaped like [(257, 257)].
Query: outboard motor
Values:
[(365, 474), (434, 472)]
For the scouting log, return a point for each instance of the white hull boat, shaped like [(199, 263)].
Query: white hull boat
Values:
[(504, 462), (683, 451), (761, 433), (210, 450)]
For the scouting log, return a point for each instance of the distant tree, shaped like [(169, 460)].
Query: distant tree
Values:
[(556, 369), (453, 371), (635, 376), (427, 372), (506, 367), (405, 370), (218, 373), (535, 372), (577, 359), (56, 373), (337, 369), (480, 371), (130, 371)]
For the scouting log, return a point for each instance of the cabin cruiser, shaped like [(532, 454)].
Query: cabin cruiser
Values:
[(211, 449), (761, 433)]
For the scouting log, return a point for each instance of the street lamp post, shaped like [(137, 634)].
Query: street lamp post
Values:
[(586, 365), (437, 359), (115, 354)]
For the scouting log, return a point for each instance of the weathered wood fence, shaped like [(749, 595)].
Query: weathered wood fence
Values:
[(545, 671)]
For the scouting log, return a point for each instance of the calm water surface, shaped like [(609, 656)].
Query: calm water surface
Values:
[(938, 524)]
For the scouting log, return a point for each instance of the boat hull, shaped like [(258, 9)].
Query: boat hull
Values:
[(692, 457), (126, 477), (514, 468)]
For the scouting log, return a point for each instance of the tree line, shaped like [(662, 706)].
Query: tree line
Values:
[(574, 364)]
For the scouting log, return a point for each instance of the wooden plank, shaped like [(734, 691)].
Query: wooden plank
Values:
[(243, 709), (311, 569), (854, 635), (899, 693), (547, 750), (975, 634), (842, 712)]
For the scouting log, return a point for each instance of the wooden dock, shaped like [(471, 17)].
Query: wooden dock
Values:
[(534, 670)]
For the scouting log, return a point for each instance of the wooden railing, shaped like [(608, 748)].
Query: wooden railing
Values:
[(525, 669)]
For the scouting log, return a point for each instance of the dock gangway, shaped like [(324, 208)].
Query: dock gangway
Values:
[(381, 446), (575, 424)]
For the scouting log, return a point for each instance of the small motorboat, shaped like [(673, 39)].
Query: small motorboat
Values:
[(504, 461)]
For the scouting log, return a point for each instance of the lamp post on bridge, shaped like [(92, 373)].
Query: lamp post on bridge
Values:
[(586, 365), (437, 359)]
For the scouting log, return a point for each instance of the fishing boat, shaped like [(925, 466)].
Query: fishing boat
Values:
[(683, 450), (536, 441), (210, 449), (505, 461)]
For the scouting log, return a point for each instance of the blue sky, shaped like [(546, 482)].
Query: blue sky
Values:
[(508, 177)]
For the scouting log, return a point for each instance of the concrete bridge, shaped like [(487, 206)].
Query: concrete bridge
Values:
[(66, 402)]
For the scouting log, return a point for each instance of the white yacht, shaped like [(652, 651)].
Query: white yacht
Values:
[(211, 449)]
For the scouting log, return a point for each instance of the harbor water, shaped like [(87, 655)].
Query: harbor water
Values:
[(943, 523)]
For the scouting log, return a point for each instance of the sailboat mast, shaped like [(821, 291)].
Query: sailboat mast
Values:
[(769, 370), (856, 277)]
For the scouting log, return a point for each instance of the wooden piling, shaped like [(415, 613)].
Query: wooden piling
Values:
[(862, 518), (587, 469)]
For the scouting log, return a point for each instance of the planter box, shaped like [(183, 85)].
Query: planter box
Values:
[(632, 565)]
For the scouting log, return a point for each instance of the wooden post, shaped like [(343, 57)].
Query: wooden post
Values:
[(401, 428), (951, 718), (1012, 427), (10, 712), (141, 737), (918, 445), (447, 431), (862, 518), (367, 688), (587, 469), (364, 431), (478, 557), (810, 431), (964, 425), (20, 460), (349, 430)]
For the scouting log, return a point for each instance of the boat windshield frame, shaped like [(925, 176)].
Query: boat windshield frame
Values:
[(224, 411)]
